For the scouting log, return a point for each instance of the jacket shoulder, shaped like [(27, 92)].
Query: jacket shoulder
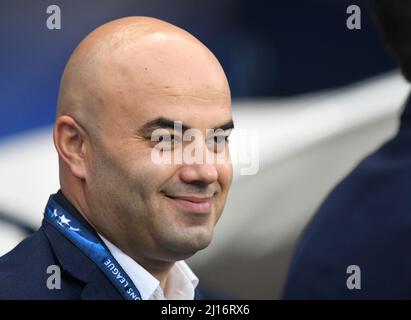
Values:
[(25, 270)]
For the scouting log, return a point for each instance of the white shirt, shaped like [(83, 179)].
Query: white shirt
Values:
[(180, 285)]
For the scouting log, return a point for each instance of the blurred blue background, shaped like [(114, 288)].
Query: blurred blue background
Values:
[(267, 48)]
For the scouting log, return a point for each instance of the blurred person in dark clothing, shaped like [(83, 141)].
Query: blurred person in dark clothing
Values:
[(357, 246)]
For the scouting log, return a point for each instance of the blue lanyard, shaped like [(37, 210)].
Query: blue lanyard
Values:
[(92, 247)]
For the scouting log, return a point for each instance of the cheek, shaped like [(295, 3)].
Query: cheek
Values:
[(225, 173), (111, 171), (225, 178), (148, 179), (126, 169)]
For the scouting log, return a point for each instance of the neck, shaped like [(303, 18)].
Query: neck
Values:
[(158, 269)]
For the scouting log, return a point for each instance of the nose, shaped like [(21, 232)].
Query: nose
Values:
[(204, 173)]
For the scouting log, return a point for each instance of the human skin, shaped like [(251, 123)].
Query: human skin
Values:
[(121, 76)]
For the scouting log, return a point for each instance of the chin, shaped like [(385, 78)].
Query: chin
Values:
[(188, 242)]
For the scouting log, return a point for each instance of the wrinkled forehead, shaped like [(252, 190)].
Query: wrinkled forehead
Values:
[(200, 109), (167, 76), (193, 111)]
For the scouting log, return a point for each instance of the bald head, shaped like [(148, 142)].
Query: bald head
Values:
[(136, 60)]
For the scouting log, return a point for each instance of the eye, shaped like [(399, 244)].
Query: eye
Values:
[(175, 139), (166, 142), (217, 143), (220, 139), (164, 139)]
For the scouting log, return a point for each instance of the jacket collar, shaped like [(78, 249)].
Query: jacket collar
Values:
[(74, 262)]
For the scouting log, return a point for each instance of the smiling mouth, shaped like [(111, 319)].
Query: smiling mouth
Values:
[(192, 204)]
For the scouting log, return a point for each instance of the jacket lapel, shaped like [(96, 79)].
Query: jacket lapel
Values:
[(99, 288), (76, 264)]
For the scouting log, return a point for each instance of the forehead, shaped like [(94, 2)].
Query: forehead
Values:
[(206, 110), (180, 81), (168, 76)]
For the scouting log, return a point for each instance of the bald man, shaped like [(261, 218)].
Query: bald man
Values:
[(125, 219)]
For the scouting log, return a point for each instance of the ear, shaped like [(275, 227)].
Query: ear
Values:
[(69, 140)]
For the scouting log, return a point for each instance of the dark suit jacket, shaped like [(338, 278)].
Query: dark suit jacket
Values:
[(23, 271), (366, 221)]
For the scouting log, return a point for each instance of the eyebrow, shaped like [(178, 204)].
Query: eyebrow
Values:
[(162, 122)]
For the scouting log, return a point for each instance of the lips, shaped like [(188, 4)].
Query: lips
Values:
[(192, 204)]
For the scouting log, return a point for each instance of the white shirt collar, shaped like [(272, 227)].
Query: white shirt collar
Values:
[(181, 281)]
